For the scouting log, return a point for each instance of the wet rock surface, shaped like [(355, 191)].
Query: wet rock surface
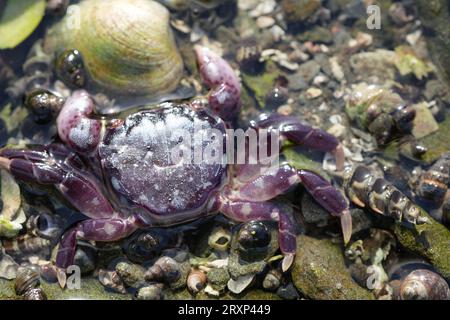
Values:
[(320, 273)]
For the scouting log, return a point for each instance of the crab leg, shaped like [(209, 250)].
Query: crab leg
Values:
[(278, 180), (106, 229), (225, 95), (246, 211), (79, 187), (303, 134), (329, 198)]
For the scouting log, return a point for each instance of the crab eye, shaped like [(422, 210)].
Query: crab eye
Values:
[(254, 235)]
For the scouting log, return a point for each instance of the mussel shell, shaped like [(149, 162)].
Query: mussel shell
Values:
[(127, 45)]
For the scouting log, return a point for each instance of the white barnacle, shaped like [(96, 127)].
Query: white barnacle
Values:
[(246, 209), (109, 228), (95, 201)]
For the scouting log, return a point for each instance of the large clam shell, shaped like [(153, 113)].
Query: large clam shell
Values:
[(127, 45)]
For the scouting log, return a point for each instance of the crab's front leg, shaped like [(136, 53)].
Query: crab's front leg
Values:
[(302, 134), (76, 126), (225, 95), (57, 165)]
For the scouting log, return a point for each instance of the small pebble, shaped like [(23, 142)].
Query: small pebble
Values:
[(336, 69), (264, 22), (313, 93), (285, 109)]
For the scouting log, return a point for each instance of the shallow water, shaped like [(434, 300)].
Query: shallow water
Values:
[(298, 58)]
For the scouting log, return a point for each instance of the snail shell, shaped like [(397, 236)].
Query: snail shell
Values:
[(35, 294), (26, 280), (165, 269), (196, 281), (127, 45), (153, 291), (424, 284)]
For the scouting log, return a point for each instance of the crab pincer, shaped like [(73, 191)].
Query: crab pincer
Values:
[(225, 95), (75, 127)]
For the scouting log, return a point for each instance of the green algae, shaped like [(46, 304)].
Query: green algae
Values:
[(320, 273), (430, 240)]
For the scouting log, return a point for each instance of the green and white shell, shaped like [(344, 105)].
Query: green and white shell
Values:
[(127, 46)]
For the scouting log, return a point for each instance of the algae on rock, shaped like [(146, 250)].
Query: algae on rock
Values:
[(320, 273), (430, 240)]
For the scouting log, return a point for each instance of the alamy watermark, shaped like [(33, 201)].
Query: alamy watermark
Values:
[(236, 146), (374, 20)]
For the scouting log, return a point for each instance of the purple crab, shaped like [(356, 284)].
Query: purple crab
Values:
[(119, 174)]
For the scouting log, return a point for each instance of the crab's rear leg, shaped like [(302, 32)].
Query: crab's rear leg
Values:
[(224, 99), (244, 211), (302, 134)]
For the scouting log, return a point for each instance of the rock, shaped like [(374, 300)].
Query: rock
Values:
[(379, 63), (308, 70), (336, 69), (433, 89), (255, 294), (407, 62), (436, 143), (261, 84), (424, 122), (360, 220), (317, 35), (288, 292), (91, 289), (313, 93), (218, 278), (298, 11), (430, 240), (435, 16), (131, 274), (264, 22), (319, 272), (85, 259), (312, 212)]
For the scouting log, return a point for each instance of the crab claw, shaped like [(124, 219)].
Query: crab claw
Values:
[(329, 198), (288, 259), (346, 225), (225, 95)]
